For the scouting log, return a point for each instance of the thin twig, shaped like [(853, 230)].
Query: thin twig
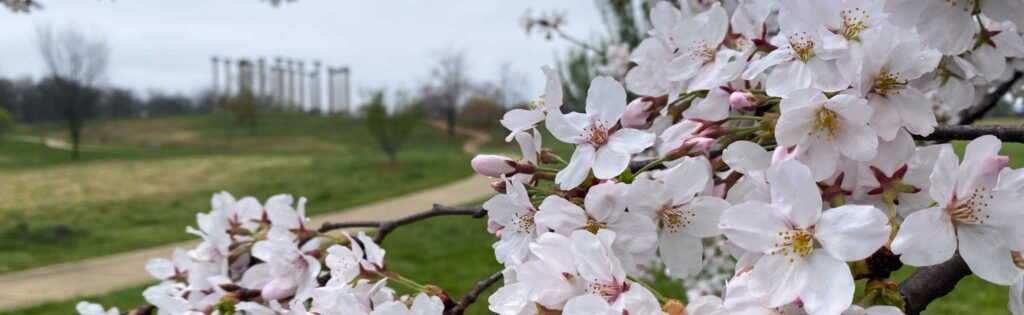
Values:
[(471, 297), (577, 42), (989, 101), (386, 227), (946, 133), (930, 283)]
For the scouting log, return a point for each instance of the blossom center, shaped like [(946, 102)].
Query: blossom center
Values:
[(593, 226), (853, 22), (887, 84), (597, 134), (524, 222), (610, 291), (802, 45), (674, 218), (825, 122), (796, 242), (972, 209), (539, 104), (700, 50)]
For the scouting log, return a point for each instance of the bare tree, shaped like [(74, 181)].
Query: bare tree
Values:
[(75, 63), (452, 83)]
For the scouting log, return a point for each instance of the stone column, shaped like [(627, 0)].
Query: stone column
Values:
[(346, 84), (227, 78), (290, 95), (315, 95), (245, 76), (215, 92), (301, 73), (261, 78), (331, 94), (278, 83)]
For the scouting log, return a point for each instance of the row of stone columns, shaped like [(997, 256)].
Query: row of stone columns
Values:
[(283, 84)]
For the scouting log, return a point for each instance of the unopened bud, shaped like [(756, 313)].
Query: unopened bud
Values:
[(440, 293), (493, 165), (699, 144), (499, 186), (638, 113), (742, 101), (674, 307), (278, 289), (547, 156)]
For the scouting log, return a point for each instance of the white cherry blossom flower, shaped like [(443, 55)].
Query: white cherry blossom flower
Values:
[(826, 128), (600, 145), (892, 58), (604, 208), (86, 308), (685, 216), (970, 215), (805, 58), (516, 214), (698, 40), (789, 230), (520, 120)]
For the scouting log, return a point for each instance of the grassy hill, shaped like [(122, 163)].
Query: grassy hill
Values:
[(141, 181)]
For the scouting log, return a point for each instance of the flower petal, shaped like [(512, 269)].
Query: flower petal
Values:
[(681, 253), (609, 162), (630, 141), (984, 250), (560, 215), (829, 288), (753, 225), (579, 165), (606, 101), (926, 238), (794, 191), (852, 232)]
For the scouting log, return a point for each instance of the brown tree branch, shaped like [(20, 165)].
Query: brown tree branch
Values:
[(989, 101), (946, 133), (930, 283), (472, 295), (386, 227)]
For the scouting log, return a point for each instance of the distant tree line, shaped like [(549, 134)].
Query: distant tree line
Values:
[(30, 101)]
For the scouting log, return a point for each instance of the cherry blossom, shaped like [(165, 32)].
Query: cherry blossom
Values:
[(684, 215), (970, 215), (789, 229), (600, 144)]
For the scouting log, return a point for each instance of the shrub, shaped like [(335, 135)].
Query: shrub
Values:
[(390, 129)]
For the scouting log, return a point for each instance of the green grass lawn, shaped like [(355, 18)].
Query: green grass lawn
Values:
[(144, 180)]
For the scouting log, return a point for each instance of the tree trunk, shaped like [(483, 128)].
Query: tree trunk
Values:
[(451, 120), (76, 137)]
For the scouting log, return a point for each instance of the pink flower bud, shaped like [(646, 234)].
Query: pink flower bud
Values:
[(278, 289), (699, 144), (499, 186), (741, 100), (637, 114), (493, 165)]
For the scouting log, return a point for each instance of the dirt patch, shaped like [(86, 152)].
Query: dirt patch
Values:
[(120, 180)]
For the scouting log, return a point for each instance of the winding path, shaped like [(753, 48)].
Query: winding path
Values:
[(100, 275)]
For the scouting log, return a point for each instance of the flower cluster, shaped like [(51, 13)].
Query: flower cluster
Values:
[(771, 140), (786, 129), (263, 259)]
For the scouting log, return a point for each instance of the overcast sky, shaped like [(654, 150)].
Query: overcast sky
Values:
[(167, 45)]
